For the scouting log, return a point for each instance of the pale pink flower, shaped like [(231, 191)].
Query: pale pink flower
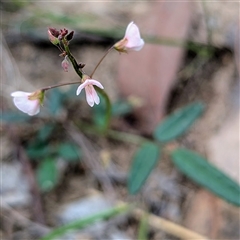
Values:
[(28, 102), (131, 41), (91, 94)]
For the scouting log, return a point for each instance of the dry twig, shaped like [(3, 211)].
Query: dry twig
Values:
[(159, 223)]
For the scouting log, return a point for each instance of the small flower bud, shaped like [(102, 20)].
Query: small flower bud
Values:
[(53, 36), (63, 32), (69, 37), (65, 64), (63, 54), (54, 32), (81, 65)]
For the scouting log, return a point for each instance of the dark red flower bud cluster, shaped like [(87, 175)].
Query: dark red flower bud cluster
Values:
[(70, 36), (60, 34), (63, 33), (54, 32)]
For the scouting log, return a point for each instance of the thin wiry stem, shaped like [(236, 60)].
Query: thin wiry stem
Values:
[(59, 85), (101, 61)]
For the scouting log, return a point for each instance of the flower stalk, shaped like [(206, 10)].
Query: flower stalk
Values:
[(72, 59), (59, 85), (30, 102), (101, 60)]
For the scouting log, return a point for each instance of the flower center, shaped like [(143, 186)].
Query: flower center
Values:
[(84, 78), (38, 95)]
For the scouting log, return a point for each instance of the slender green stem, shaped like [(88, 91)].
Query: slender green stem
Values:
[(80, 74), (75, 66), (72, 59), (108, 114), (101, 61), (60, 48), (59, 85)]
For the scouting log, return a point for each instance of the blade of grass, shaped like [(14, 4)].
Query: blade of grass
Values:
[(143, 228), (80, 224)]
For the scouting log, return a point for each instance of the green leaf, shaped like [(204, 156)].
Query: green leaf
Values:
[(121, 108), (199, 170), (80, 224), (56, 99), (103, 111), (14, 117), (178, 122), (45, 132), (143, 163), (47, 174), (69, 152), (38, 150), (99, 112)]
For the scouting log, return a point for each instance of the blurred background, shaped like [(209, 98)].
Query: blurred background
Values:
[(52, 163)]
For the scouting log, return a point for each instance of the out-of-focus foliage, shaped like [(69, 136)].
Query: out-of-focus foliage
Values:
[(178, 122), (190, 163), (14, 5), (201, 171), (143, 228), (80, 224), (68, 151), (47, 174), (118, 109), (14, 117), (47, 152), (143, 163)]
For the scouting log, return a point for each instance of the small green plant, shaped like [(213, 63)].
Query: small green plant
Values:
[(46, 152), (44, 148), (190, 163)]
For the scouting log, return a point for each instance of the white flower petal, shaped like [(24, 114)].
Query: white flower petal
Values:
[(128, 29), (95, 96), (89, 96), (134, 40), (25, 105), (137, 46), (35, 108), (21, 101), (80, 88), (96, 83), (20, 94), (132, 32)]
